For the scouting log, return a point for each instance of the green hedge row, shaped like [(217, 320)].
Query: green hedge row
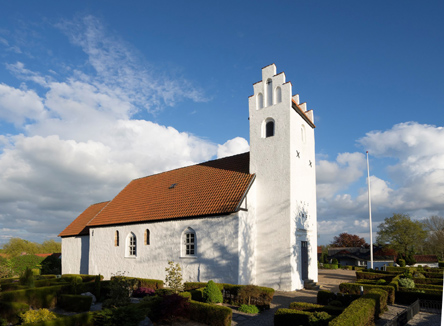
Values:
[(374, 276), (44, 297), (408, 297), (355, 288), (398, 270), (359, 312), (433, 281), (429, 286), (291, 317), (10, 310), (210, 314), (312, 307), (330, 266), (8, 280), (441, 264), (85, 277), (325, 297), (75, 303), (85, 319), (146, 283), (232, 291), (433, 275)]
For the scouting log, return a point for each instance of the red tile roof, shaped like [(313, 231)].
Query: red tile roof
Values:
[(78, 226), (426, 258), (210, 188)]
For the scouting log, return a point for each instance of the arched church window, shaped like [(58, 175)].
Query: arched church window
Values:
[(269, 129), (269, 93), (131, 245), (260, 101), (116, 239), (147, 237), (278, 95), (189, 243)]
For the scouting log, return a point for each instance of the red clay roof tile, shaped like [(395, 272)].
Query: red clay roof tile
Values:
[(210, 188), (78, 226)]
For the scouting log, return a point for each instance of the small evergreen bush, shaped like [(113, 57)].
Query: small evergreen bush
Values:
[(34, 316), (406, 283), (27, 278), (212, 294), (401, 262), (381, 282), (319, 318), (249, 309)]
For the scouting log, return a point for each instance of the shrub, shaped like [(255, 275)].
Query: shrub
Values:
[(441, 264), (97, 280), (401, 262), (75, 282), (406, 297), (211, 293), (173, 278), (128, 316), (325, 297), (142, 292), (84, 319), (186, 295), (355, 288), (334, 261), (10, 310), (33, 316), (43, 297), (27, 278), (406, 283), (381, 282), (120, 289), (249, 291), (289, 317), (319, 318), (335, 303), (173, 306), (163, 292), (249, 309), (20, 263), (75, 303), (5, 269), (210, 314), (359, 312), (51, 265)]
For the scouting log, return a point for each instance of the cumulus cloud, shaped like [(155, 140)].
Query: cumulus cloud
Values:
[(80, 143), (414, 182), (233, 146)]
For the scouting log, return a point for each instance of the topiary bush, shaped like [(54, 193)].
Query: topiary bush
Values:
[(406, 283), (249, 309), (212, 294), (27, 278), (401, 262), (34, 316)]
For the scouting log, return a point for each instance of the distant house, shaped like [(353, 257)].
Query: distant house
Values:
[(358, 256), (429, 260), (245, 219)]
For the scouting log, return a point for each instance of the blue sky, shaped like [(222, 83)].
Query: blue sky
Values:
[(94, 94)]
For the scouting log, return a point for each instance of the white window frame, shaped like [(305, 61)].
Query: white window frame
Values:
[(189, 243), (131, 246)]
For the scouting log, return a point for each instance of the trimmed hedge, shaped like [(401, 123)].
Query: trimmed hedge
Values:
[(9, 280), (433, 275), (374, 276), (428, 286), (313, 307), (85, 277), (85, 319), (359, 312), (210, 314), (10, 310), (355, 288), (432, 281), (75, 303), (44, 297), (325, 297), (291, 317), (197, 295), (408, 297), (399, 270), (231, 292), (146, 283), (441, 264)]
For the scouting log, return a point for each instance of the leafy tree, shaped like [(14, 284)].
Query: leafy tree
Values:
[(435, 239), (50, 246), (16, 246), (401, 232), (173, 278), (348, 240)]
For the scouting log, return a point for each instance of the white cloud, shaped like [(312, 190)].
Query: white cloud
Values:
[(233, 146), (18, 106)]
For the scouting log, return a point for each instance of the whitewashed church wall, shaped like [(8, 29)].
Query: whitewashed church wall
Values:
[(247, 240), (216, 259), (75, 255)]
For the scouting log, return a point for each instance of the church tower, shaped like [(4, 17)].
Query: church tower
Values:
[(282, 155)]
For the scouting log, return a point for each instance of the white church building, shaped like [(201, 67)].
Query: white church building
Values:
[(245, 219)]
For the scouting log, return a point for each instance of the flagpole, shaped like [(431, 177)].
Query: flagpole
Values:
[(370, 213)]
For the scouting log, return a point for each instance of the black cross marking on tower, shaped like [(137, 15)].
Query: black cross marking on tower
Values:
[(297, 154)]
